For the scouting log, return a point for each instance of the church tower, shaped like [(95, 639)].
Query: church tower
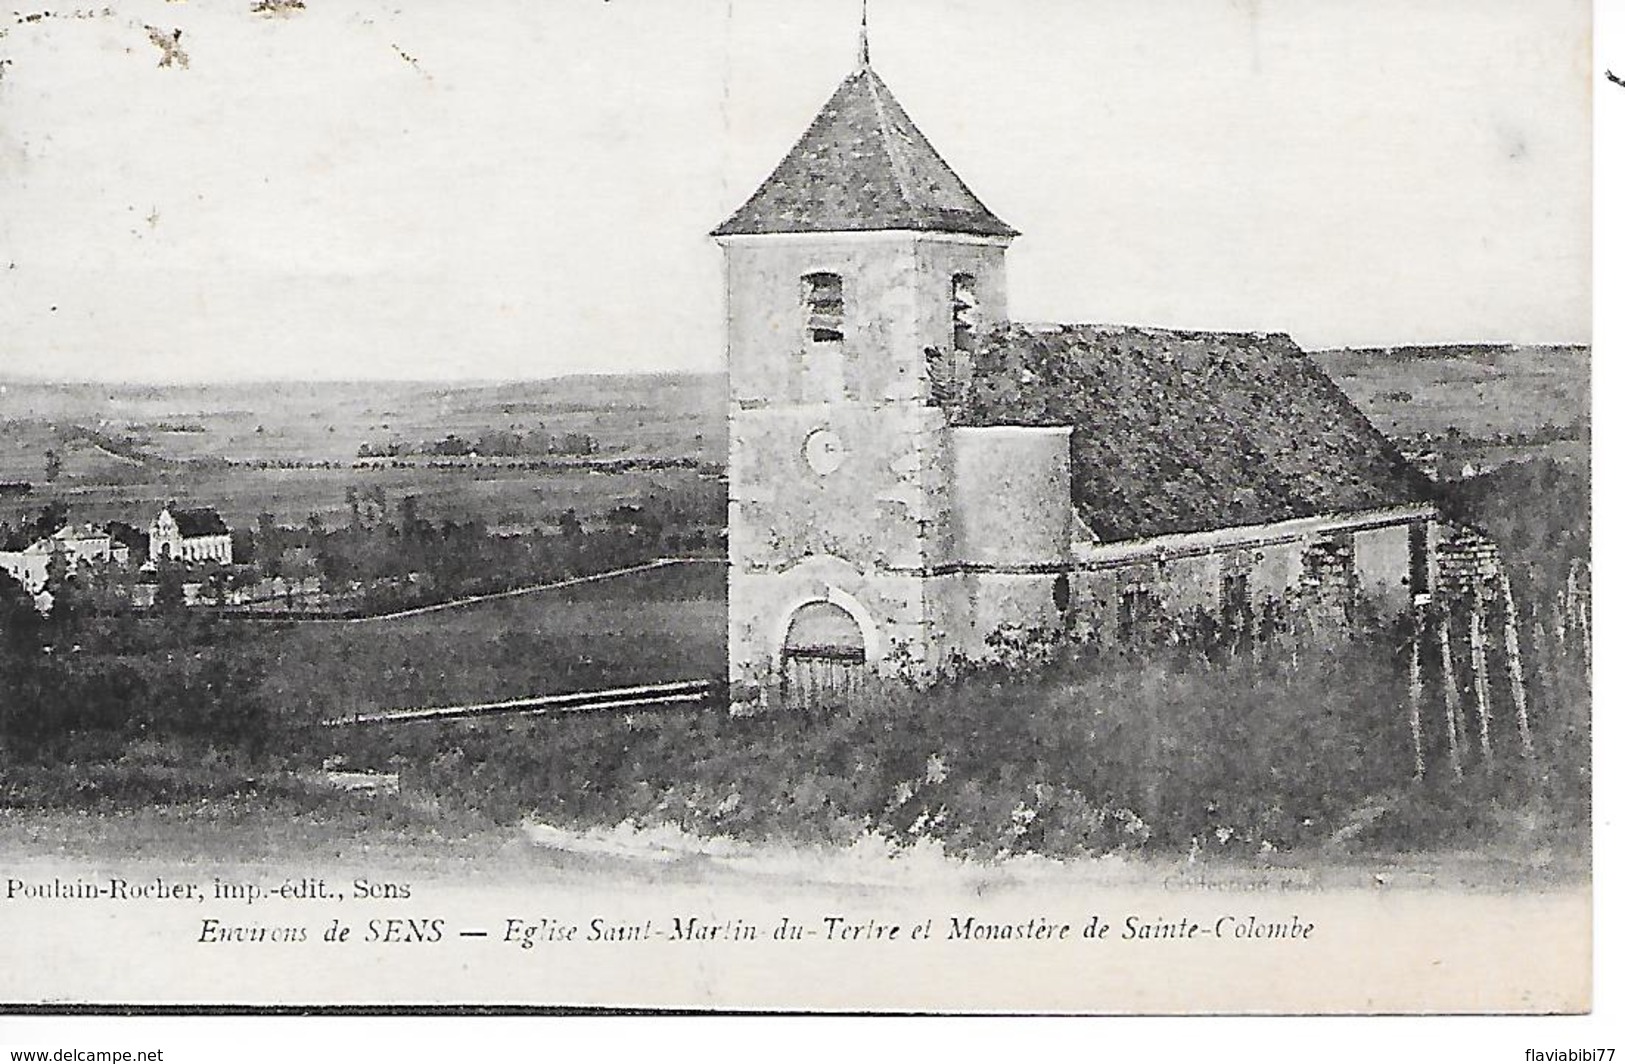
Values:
[(855, 274)]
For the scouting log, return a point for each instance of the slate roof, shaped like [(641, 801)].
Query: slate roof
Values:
[(192, 523), (863, 165), (1186, 431), (84, 531), (127, 535)]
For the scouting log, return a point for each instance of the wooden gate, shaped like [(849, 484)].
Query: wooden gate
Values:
[(824, 663)]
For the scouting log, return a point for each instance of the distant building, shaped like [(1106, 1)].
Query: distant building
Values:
[(86, 543), (27, 567), (189, 536), (144, 592), (79, 546)]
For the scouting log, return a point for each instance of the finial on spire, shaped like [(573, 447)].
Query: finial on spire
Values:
[(863, 38)]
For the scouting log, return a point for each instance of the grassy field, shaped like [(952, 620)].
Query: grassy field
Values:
[(676, 414), (126, 450), (666, 624), (500, 496), (1480, 391)]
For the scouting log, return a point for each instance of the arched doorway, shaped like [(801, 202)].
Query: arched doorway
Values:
[(824, 659)]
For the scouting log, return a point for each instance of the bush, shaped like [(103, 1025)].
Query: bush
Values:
[(1079, 750), (82, 689)]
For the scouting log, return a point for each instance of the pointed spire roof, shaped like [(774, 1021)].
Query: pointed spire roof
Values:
[(863, 165)]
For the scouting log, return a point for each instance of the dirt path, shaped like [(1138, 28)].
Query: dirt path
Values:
[(353, 836)]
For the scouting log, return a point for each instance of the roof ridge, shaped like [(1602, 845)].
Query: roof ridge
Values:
[(1150, 330), (896, 122), (874, 84)]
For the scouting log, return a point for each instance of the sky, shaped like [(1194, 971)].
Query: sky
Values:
[(522, 188)]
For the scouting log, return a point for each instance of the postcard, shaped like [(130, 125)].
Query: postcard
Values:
[(931, 506)]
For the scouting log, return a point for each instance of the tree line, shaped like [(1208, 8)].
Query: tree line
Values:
[(492, 443)]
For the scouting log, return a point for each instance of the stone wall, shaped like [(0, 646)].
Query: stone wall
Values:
[(896, 294), (1011, 496), (868, 510), (936, 263), (1322, 562), (1382, 564), (867, 525), (1469, 561), (889, 608)]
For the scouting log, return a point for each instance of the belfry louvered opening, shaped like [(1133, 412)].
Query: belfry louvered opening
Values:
[(825, 308), (966, 318)]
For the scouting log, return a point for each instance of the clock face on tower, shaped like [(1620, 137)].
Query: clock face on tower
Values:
[(824, 451)]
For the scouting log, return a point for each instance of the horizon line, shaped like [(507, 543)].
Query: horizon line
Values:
[(38, 379), (186, 382)]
